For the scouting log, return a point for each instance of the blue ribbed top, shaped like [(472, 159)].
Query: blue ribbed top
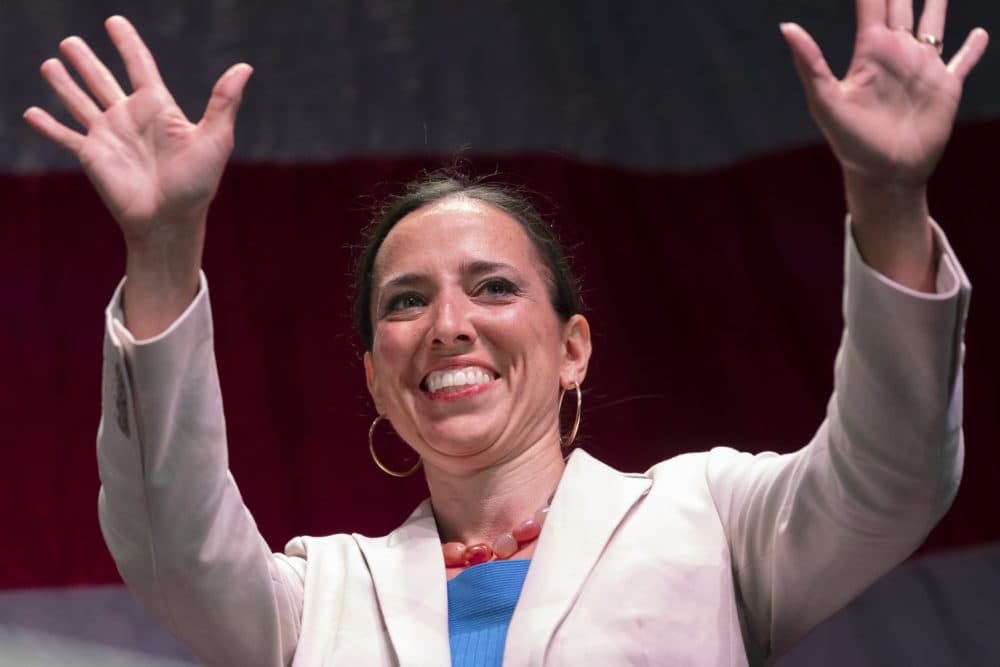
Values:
[(481, 601)]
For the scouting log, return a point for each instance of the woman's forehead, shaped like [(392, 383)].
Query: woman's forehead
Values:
[(453, 232)]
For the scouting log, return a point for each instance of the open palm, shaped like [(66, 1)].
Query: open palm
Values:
[(889, 119), (152, 167)]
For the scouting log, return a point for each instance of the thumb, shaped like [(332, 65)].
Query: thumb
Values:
[(970, 53), (220, 112), (809, 62)]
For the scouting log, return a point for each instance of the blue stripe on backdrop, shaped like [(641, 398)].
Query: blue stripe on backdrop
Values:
[(646, 85)]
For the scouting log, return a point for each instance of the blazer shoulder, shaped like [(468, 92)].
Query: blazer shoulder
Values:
[(682, 464)]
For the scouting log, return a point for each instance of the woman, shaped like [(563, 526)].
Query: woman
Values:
[(718, 558)]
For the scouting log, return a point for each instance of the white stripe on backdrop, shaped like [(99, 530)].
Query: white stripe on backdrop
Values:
[(937, 611)]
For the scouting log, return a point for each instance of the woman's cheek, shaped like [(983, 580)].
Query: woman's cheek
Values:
[(392, 355), (391, 343)]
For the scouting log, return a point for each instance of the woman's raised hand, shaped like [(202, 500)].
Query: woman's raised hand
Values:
[(889, 118), (148, 162), (155, 170), (888, 121)]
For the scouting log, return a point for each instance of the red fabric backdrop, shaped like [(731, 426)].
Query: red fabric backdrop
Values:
[(714, 298)]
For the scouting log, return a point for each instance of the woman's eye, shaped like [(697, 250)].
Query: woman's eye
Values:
[(498, 287), (404, 302)]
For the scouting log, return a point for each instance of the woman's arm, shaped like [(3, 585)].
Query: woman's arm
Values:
[(810, 530), (170, 511)]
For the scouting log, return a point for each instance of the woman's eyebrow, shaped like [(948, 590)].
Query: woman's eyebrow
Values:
[(472, 268), (404, 280), (479, 267)]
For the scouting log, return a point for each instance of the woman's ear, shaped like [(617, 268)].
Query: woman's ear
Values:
[(371, 381), (576, 351)]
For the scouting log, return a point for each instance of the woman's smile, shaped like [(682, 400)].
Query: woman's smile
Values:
[(457, 381), (457, 392)]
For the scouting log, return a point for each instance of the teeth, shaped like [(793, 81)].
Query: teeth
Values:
[(454, 380)]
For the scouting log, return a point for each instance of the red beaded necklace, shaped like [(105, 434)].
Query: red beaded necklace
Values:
[(456, 554)]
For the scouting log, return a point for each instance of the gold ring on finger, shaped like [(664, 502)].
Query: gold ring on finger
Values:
[(928, 38)]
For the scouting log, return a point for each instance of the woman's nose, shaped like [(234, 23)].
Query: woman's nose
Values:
[(452, 324)]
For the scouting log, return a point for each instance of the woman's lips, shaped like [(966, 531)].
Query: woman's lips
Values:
[(456, 378), (466, 391)]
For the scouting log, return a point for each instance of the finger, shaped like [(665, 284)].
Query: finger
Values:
[(932, 20), (970, 53), (809, 63), (78, 103), (870, 12), (220, 112), (99, 79), (138, 60), (899, 15), (47, 126)]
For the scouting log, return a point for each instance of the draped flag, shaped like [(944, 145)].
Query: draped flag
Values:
[(670, 145)]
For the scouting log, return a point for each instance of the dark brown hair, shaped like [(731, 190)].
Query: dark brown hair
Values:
[(438, 186)]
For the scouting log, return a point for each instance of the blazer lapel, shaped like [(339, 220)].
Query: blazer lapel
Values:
[(407, 569), (590, 503)]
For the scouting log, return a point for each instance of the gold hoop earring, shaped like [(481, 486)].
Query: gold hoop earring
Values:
[(568, 440), (382, 466)]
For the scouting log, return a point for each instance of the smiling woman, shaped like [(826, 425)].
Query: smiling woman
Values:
[(468, 357), (472, 332)]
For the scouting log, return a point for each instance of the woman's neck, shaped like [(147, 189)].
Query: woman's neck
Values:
[(481, 505)]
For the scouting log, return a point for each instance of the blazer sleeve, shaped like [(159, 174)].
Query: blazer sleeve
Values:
[(170, 511), (808, 531)]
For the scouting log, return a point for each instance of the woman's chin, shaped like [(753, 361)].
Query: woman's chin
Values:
[(463, 445), (460, 448)]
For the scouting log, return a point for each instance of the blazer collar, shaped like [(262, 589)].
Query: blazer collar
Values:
[(407, 566), (590, 503)]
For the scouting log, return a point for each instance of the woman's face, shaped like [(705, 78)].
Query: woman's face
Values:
[(468, 354)]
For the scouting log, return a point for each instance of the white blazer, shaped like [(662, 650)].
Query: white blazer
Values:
[(718, 558)]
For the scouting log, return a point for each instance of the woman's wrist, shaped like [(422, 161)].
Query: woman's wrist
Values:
[(162, 275), (892, 229)]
